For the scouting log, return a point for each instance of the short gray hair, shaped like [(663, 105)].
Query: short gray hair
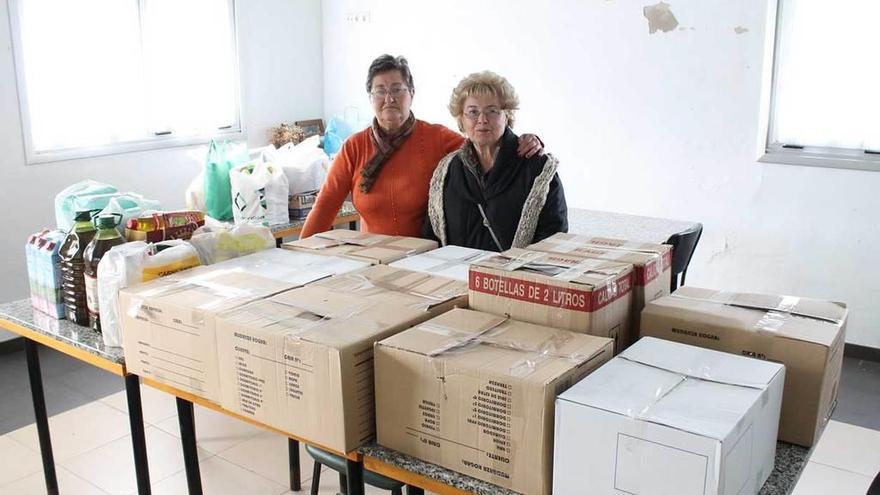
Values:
[(484, 83), (386, 63)]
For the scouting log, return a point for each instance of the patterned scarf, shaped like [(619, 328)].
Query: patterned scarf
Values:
[(385, 145)]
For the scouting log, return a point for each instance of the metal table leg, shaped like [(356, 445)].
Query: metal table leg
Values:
[(354, 474), (293, 461), (188, 440), (414, 490), (138, 441), (352, 225), (42, 420)]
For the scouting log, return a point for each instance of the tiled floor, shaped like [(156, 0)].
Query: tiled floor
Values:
[(90, 436)]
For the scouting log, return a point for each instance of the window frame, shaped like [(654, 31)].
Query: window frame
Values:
[(811, 156), (236, 132)]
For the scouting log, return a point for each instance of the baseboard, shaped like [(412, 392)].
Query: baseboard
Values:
[(12, 345), (861, 352)]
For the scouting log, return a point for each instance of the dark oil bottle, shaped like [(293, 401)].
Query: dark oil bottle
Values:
[(73, 285), (106, 237)]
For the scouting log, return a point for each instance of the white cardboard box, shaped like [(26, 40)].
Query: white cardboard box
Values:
[(447, 261), (668, 418)]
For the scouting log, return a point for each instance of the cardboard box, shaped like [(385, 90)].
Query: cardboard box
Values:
[(168, 324), (561, 291), (652, 263), (474, 392), (302, 360), (431, 293), (806, 335), (664, 417), (295, 267), (447, 261), (363, 246)]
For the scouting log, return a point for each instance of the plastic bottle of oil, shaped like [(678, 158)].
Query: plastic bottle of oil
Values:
[(107, 237), (73, 285)]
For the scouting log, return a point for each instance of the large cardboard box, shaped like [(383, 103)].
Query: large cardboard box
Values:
[(474, 392), (807, 335), (561, 291), (302, 360), (363, 246), (664, 417), (652, 263), (448, 261), (168, 324)]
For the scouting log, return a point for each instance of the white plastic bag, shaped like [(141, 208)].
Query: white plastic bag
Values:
[(259, 194), (220, 244), (305, 165), (133, 263), (130, 205)]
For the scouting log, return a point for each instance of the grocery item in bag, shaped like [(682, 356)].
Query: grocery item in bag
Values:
[(219, 244), (164, 226), (133, 263), (72, 266), (84, 195), (305, 165), (106, 237), (259, 194), (129, 205)]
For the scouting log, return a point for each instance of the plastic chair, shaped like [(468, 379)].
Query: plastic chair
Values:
[(683, 246), (337, 463)]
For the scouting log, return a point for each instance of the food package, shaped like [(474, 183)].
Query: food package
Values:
[(134, 263), (216, 244)]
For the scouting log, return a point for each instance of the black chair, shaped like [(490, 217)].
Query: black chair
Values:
[(874, 489), (337, 463), (683, 246)]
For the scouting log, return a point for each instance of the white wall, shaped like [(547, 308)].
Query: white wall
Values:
[(660, 124), (281, 73)]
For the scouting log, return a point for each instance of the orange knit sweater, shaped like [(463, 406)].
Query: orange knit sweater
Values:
[(397, 202)]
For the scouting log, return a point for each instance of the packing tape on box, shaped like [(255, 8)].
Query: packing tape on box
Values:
[(492, 335), (775, 315), (312, 317), (357, 283), (226, 295)]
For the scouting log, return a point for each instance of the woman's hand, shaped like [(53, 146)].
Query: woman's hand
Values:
[(529, 146)]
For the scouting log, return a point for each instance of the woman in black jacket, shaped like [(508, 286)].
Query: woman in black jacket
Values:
[(483, 195)]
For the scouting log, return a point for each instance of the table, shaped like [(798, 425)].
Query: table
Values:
[(86, 345), (790, 461), (347, 214), (624, 226)]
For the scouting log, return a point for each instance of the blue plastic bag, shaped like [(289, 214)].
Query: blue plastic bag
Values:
[(84, 195)]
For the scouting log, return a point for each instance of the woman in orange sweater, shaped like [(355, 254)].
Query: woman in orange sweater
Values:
[(388, 166)]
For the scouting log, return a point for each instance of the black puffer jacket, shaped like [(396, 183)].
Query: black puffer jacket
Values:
[(502, 193)]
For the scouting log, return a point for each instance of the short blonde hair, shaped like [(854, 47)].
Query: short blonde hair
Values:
[(484, 83)]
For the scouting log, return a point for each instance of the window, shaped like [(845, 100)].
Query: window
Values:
[(99, 77), (824, 109)]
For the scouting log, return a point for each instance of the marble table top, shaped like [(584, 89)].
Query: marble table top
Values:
[(790, 461), (623, 226), (22, 313)]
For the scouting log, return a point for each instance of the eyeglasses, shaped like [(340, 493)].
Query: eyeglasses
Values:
[(395, 92), (492, 114)]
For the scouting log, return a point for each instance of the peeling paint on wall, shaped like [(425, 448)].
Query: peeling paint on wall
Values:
[(660, 18), (740, 30)]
